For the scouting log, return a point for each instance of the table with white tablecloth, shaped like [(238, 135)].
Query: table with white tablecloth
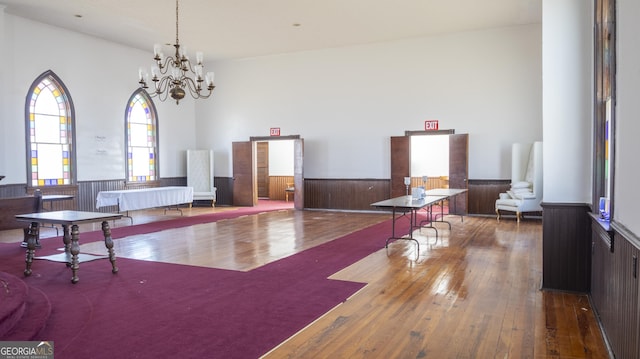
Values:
[(134, 199)]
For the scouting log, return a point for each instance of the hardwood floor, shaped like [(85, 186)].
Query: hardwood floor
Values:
[(472, 294)]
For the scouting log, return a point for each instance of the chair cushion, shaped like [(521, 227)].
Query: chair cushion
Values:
[(521, 195), (512, 205), (521, 184)]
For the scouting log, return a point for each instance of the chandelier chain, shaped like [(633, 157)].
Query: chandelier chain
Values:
[(177, 40)]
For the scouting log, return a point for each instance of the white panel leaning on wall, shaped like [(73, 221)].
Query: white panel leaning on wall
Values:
[(200, 175)]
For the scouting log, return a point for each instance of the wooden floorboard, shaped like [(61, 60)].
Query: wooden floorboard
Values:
[(473, 293)]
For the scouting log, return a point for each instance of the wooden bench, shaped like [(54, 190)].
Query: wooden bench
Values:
[(10, 206)]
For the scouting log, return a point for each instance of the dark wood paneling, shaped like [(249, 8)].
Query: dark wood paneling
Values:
[(484, 193), (11, 206), (325, 193), (615, 291), (344, 194), (70, 204), (625, 297), (224, 191), (566, 247), (360, 193), (173, 181), (601, 283), (88, 190), (13, 190)]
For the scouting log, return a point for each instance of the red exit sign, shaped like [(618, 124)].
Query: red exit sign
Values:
[(274, 131), (430, 125)]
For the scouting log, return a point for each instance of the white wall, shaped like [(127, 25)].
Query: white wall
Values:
[(627, 146), (100, 77), (347, 102), (281, 158), (567, 35)]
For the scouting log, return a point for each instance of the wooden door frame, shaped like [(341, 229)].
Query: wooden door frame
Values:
[(298, 173), (259, 178), (401, 165)]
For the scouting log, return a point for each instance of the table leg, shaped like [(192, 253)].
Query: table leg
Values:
[(412, 220), (108, 242), (66, 239), (442, 212), (32, 236), (75, 250), (429, 220), (393, 227)]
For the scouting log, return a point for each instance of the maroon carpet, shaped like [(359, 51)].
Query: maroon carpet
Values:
[(151, 310)]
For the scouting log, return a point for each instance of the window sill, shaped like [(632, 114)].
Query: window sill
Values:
[(603, 229)]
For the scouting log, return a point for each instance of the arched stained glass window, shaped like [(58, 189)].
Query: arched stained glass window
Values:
[(142, 138), (50, 133)]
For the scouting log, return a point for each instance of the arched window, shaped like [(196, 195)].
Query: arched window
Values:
[(50, 133), (141, 133), (604, 107)]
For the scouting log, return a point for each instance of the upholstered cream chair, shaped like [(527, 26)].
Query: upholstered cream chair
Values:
[(525, 194)]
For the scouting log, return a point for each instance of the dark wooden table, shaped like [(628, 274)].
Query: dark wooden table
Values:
[(69, 220), (49, 199)]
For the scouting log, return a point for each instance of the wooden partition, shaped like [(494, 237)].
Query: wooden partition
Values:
[(277, 184), (432, 182), (338, 194), (67, 204)]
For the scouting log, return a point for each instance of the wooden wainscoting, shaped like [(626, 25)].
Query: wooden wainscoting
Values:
[(277, 184), (88, 190), (224, 190), (70, 204), (85, 193), (13, 190), (484, 193), (344, 194), (566, 247), (614, 286), (338, 194), (432, 182)]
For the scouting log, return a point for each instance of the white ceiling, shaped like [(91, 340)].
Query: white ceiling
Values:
[(227, 29)]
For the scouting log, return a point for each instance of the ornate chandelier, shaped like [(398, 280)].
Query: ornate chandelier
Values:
[(175, 75)]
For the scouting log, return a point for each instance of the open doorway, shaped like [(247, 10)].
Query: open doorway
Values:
[(275, 174), (274, 169), (457, 157), (430, 161)]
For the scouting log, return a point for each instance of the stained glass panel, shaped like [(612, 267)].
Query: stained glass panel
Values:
[(141, 139), (50, 132)]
